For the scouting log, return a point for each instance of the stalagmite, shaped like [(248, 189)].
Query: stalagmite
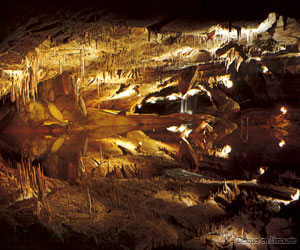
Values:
[(82, 64)]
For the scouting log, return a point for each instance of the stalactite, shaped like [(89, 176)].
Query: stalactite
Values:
[(238, 30), (60, 67), (149, 34), (31, 82), (17, 93), (238, 62), (284, 22), (34, 76), (27, 84), (119, 72), (78, 83), (12, 91)]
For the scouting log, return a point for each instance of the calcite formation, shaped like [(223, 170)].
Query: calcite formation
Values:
[(106, 62)]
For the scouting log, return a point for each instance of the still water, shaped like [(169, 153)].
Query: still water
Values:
[(143, 152)]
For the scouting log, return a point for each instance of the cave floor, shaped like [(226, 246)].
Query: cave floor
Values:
[(175, 182)]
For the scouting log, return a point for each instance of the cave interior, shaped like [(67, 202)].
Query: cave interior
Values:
[(149, 124)]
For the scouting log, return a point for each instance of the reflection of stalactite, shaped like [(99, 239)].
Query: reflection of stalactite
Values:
[(7, 112), (82, 106), (98, 87), (60, 67), (12, 91), (82, 64)]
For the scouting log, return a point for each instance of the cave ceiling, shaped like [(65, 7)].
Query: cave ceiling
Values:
[(127, 52)]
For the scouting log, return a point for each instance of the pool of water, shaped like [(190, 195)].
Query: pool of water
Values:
[(220, 151)]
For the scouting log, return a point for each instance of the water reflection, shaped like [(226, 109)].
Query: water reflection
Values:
[(217, 150)]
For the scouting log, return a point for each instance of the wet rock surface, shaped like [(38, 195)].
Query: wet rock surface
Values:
[(150, 125), (140, 189)]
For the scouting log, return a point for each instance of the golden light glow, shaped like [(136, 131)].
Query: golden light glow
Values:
[(186, 132), (264, 68), (246, 33), (177, 96), (283, 110), (282, 48), (225, 79), (253, 58), (205, 90), (228, 84), (173, 97), (183, 129), (128, 92), (266, 24), (261, 171), (185, 51), (124, 143), (191, 92), (226, 149), (296, 196), (154, 99), (224, 152), (13, 72), (281, 143), (173, 129)]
